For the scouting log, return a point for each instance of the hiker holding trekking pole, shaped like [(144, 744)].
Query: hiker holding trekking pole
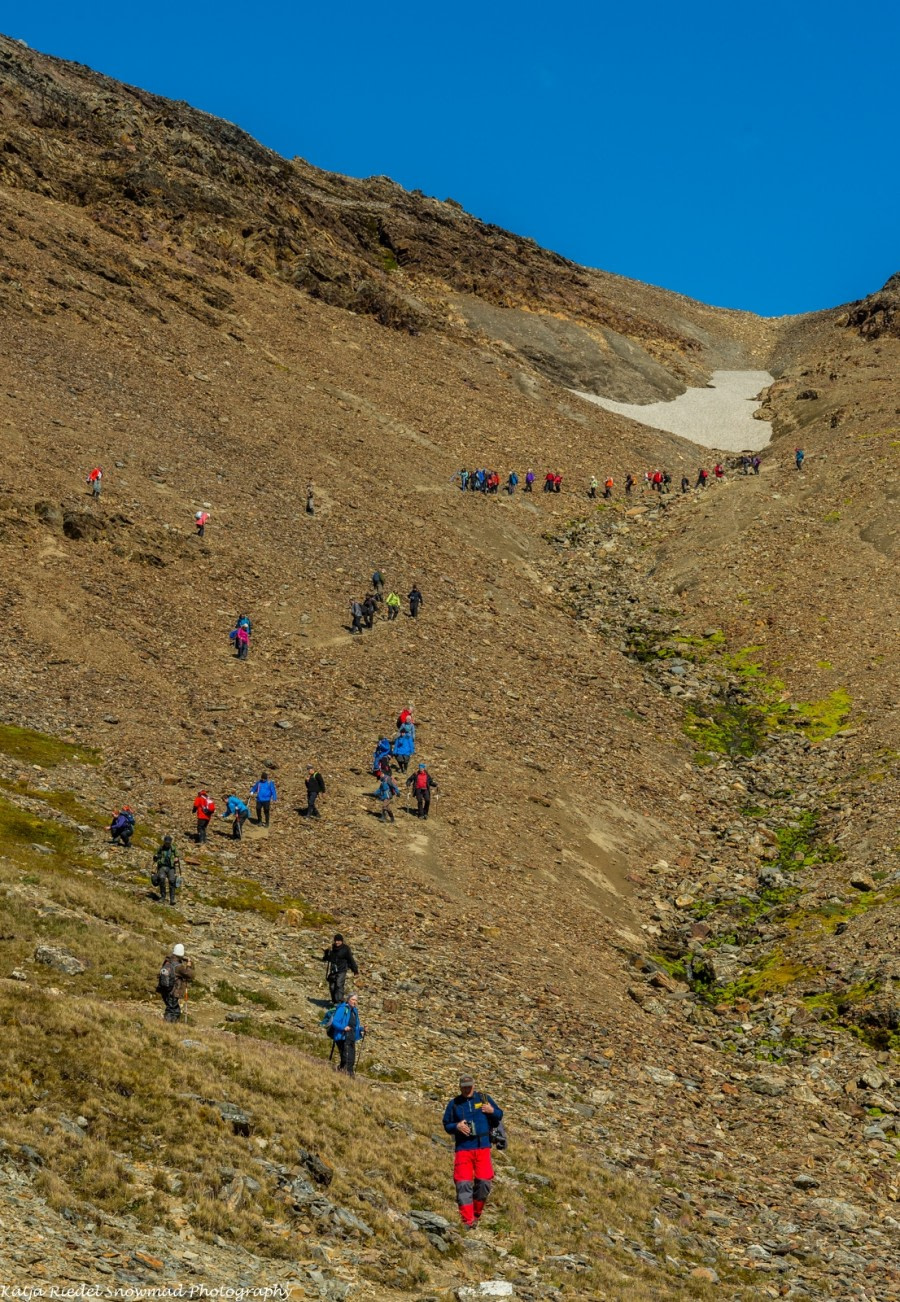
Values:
[(422, 784), (340, 960)]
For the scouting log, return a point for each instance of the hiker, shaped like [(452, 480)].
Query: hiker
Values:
[(200, 520), (471, 1118), (241, 637), (382, 749), (718, 470), (422, 784), (592, 490), (345, 1029), (315, 787), (745, 464), (463, 477), (172, 982), (702, 476), (404, 746), (94, 481), (799, 454), (244, 621), (666, 481), (310, 500), (387, 790), (356, 616), (265, 796), (480, 480), (511, 482), (415, 600), (656, 481), (121, 829), (238, 812), (204, 808), (392, 602), (608, 488), (548, 482), (378, 585), (405, 716), (630, 482), (368, 609), (340, 960), (166, 865), (685, 483), (529, 482), (557, 483), (756, 463)]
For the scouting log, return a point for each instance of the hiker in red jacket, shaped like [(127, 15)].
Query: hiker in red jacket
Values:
[(422, 784), (204, 808), (94, 480)]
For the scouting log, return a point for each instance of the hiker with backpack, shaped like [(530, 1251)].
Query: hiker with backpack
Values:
[(512, 483), (529, 482), (238, 812), (201, 519), (630, 482), (387, 790), (475, 1122), (382, 750), (340, 960), (166, 870), (265, 795), (121, 829), (404, 746), (172, 981), (392, 602), (315, 787), (422, 784), (240, 636), (345, 1029), (799, 456), (95, 480), (369, 606), (204, 808), (378, 585), (415, 599), (702, 476)]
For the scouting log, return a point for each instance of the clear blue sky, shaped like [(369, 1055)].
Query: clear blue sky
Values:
[(745, 154)]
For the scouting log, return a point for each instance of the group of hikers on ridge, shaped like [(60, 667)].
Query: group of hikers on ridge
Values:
[(363, 613)]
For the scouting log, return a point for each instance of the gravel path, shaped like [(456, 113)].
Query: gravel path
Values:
[(719, 416)]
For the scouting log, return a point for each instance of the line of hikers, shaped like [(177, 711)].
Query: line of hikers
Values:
[(660, 481), (400, 751), (362, 613)]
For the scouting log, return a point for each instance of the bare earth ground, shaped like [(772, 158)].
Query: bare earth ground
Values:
[(655, 908)]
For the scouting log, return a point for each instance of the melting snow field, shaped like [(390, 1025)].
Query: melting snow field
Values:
[(720, 416)]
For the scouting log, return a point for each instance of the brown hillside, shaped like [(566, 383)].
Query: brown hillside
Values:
[(655, 908)]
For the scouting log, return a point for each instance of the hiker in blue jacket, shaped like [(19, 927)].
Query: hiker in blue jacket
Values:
[(387, 790), (345, 1028), (121, 829), (382, 749), (471, 1119), (236, 810), (404, 746), (265, 795)]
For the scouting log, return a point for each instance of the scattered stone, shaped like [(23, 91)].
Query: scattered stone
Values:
[(837, 1214), (863, 882), (60, 959), (806, 1182), (317, 1167), (487, 1288)]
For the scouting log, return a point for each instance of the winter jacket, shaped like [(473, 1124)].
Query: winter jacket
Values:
[(340, 959), (204, 808), (264, 790), (405, 742), (315, 784), (234, 806), (386, 789), (345, 1023), (121, 824), (480, 1123), (429, 784), (392, 599)]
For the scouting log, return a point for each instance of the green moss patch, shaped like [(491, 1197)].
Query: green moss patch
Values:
[(30, 747)]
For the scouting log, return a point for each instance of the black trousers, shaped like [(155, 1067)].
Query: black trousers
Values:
[(347, 1050), (239, 821), (423, 803), (262, 811), (202, 825), (173, 1007), (170, 878), (336, 983)]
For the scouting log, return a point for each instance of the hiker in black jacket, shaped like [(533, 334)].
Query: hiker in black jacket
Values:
[(415, 600), (340, 960), (315, 787)]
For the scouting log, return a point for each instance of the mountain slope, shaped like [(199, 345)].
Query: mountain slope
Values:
[(174, 306)]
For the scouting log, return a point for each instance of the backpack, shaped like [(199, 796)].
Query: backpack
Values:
[(499, 1138), (331, 1030), (422, 780), (320, 783), (166, 979)]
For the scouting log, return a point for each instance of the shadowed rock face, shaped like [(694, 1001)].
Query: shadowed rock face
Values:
[(171, 178), (879, 314)]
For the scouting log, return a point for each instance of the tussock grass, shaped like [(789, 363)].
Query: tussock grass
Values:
[(30, 747)]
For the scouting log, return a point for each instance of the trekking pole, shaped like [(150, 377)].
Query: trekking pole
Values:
[(185, 1004)]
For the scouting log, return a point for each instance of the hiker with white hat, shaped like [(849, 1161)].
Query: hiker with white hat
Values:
[(172, 982)]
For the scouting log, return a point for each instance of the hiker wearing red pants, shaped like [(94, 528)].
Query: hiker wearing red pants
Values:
[(472, 1120)]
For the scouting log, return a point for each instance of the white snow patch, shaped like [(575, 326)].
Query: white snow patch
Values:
[(718, 416)]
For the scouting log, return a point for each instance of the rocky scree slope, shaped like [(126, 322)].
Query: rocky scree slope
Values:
[(568, 777)]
